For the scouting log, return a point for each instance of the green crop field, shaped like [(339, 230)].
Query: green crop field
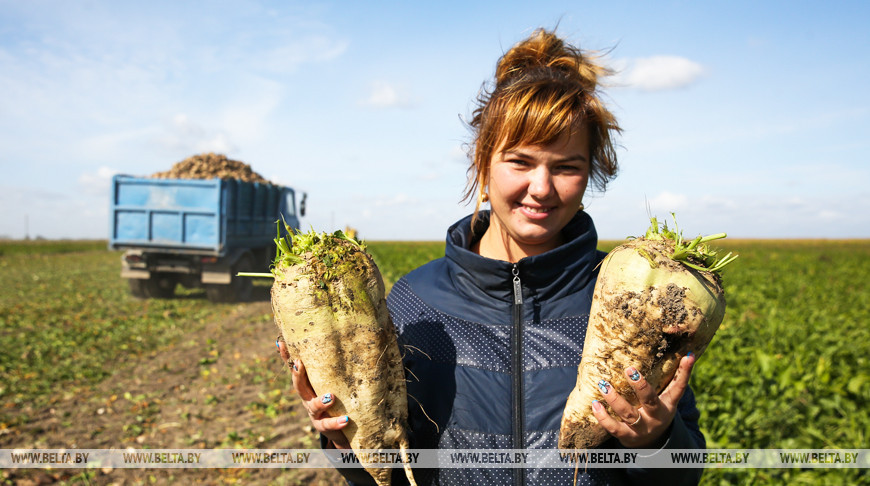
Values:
[(789, 368), (65, 318)]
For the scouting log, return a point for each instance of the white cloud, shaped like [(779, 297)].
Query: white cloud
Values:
[(294, 52), (98, 183), (248, 115), (667, 202), (385, 95), (220, 143), (749, 215), (111, 145), (185, 136), (659, 73)]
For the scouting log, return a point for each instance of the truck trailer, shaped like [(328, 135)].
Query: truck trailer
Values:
[(197, 233)]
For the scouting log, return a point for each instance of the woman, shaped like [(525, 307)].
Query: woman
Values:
[(494, 330)]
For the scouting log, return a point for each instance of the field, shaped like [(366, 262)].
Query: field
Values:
[(83, 365)]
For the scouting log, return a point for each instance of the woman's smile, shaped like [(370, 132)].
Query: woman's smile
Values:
[(534, 190)]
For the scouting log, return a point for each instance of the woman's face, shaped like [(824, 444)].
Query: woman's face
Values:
[(535, 190)]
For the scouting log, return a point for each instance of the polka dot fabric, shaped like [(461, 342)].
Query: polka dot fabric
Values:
[(554, 343), (451, 340), (447, 339)]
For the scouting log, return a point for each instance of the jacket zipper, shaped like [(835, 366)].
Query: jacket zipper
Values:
[(517, 376)]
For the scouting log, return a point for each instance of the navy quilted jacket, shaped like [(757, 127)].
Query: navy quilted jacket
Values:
[(502, 343)]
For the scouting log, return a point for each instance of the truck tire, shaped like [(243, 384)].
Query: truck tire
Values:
[(159, 286), (137, 288), (218, 293), (162, 286), (238, 290)]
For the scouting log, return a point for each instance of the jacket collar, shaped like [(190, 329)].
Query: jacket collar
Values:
[(561, 271)]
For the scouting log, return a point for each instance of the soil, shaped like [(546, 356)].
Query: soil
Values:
[(222, 386), (209, 166)]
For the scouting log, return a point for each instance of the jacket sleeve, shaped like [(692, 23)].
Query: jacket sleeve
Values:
[(683, 433)]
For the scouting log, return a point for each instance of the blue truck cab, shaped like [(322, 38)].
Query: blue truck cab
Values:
[(197, 233)]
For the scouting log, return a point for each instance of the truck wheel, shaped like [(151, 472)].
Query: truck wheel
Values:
[(137, 288), (161, 286), (238, 290), (217, 293), (244, 285)]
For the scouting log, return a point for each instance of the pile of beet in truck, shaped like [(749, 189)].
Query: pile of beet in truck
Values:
[(198, 225)]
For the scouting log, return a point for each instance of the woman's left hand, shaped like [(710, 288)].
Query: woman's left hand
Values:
[(643, 427)]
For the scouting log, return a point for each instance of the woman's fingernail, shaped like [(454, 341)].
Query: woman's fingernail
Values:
[(633, 374), (345, 419), (326, 398), (604, 387), (277, 345), (295, 368), (690, 354), (596, 405)]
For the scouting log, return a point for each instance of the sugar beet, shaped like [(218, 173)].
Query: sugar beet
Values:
[(648, 311), (328, 301)]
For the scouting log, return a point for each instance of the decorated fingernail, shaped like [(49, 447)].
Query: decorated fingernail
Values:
[(345, 419), (326, 398), (596, 405), (633, 374), (295, 368), (690, 354), (604, 387), (277, 345)]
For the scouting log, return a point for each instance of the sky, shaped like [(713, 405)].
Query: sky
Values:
[(750, 118)]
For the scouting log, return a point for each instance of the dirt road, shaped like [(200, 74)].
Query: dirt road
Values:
[(223, 386)]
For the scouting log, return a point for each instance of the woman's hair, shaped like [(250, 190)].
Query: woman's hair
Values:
[(544, 88)]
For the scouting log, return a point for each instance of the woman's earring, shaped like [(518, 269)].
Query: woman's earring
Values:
[(483, 198), (581, 207)]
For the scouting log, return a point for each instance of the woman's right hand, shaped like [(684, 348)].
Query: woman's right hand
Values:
[(316, 406)]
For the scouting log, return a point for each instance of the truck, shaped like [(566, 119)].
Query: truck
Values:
[(197, 233)]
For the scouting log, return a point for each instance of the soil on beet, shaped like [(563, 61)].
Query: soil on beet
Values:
[(222, 386)]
